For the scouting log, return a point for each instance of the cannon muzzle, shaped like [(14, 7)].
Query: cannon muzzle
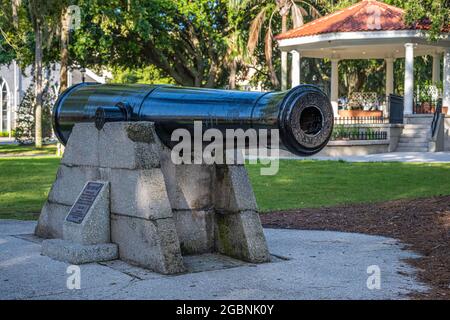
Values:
[(303, 115)]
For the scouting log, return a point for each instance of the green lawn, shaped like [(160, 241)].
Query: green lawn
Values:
[(25, 182), (308, 184), (11, 150)]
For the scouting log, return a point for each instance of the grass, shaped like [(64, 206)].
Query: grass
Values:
[(24, 185), (12, 150), (25, 182), (309, 184)]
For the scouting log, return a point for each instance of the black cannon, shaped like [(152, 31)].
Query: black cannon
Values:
[(303, 115)]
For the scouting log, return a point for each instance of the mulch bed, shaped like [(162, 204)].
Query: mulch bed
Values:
[(423, 224)]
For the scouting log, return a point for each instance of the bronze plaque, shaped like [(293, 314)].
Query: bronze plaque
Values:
[(84, 202)]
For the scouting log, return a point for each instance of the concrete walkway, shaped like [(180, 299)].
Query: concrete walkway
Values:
[(320, 265), (429, 157)]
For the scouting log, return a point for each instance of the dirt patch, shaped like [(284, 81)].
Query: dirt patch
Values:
[(423, 224)]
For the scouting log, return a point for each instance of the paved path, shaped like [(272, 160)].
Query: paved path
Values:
[(428, 157), (321, 265)]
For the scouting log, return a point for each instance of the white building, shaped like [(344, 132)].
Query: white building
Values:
[(14, 82)]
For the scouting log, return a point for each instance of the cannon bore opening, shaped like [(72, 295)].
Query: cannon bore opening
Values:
[(311, 120)]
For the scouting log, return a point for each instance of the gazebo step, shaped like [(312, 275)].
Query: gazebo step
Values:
[(417, 126), (423, 138), (415, 136), (416, 131), (413, 144), (412, 136), (402, 149), (425, 120), (418, 139)]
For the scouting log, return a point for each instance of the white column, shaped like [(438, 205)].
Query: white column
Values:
[(69, 78), (284, 67), (389, 76), (295, 69), (446, 78), (15, 90), (389, 82), (12, 108), (334, 92), (8, 114), (1, 107), (409, 79), (436, 68)]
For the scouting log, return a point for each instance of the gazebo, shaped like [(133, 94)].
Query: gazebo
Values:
[(367, 30)]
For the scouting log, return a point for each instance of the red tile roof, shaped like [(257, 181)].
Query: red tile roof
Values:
[(362, 16)]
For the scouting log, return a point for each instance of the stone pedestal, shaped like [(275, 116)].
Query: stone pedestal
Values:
[(159, 210)]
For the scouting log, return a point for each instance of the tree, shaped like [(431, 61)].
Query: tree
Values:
[(37, 22), (236, 51), (15, 37), (64, 39), (295, 9), (237, 57), (436, 13), (147, 75), (44, 18), (28, 27), (184, 39)]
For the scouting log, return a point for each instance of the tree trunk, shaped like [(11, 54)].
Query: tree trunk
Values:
[(232, 77), (360, 80), (15, 13), (284, 58), (284, 23), (64, 54), (38, 84)]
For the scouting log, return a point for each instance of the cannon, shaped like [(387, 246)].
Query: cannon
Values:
[(154, 210), (303, 115)]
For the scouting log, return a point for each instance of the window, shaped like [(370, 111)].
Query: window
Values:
[(4, 105)]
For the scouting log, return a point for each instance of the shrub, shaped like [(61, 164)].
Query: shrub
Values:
[(6, 133)]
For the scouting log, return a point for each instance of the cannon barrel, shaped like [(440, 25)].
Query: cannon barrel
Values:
[(303, 115)]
